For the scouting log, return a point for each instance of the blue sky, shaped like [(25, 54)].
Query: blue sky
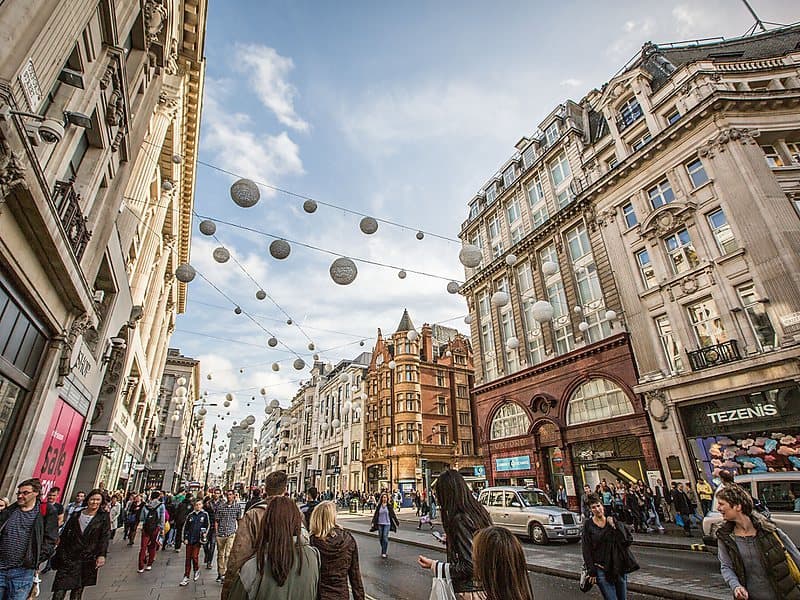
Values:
[(398, 110)]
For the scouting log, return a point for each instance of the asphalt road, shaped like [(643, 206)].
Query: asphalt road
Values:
[(399, 578)]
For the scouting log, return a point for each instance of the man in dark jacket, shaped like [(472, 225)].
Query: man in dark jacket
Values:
[(182, 511), (195, 530), (682, 506), (309, 506), (28, 532)]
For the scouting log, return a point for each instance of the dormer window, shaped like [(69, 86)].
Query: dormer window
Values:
[(551, 133), (629, 113), (528, 156), (473, 210), (509, 175), (491, 193)]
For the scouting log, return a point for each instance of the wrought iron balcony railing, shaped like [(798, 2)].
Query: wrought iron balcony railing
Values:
[(711, 356), (68, 207)]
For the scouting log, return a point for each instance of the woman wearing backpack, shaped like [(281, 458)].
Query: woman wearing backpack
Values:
[(153, 519), (132, 515)]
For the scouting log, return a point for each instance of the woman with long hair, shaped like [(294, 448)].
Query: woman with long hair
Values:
[(339, 555), (3, 503), (500, 565), (462, 517), (752, 550), (384, 520), (285, 565), (81, 548)]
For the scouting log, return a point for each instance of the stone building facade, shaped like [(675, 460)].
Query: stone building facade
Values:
[(418, 419), (272, 449), (99, 116)]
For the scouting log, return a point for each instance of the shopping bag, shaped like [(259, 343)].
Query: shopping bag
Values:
[(585, 583), (442, 586), (678, 520)]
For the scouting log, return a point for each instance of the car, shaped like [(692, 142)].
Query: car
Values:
[(527, 511), (775, 490)]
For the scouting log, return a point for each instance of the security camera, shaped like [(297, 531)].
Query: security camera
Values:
[(51, 131)]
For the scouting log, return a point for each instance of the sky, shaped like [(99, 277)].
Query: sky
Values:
[(401, 111)]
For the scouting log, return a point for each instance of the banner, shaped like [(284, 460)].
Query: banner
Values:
[(58, 451)]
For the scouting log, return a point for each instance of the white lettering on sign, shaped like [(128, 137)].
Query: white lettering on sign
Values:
[(790, 319), (82, 364), (744, 413)]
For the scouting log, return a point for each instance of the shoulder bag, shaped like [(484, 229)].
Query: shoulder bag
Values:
[(794, 571), (442, 586)]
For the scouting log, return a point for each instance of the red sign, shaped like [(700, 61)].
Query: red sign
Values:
[(58, 449)]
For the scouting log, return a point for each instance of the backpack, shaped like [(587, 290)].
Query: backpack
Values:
[(152, 521)]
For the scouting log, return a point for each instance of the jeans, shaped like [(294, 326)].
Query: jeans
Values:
[(612, 590), (15, 584), (384, 535)]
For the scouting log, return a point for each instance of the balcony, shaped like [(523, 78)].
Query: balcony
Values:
[(712, 356), (68, 208)]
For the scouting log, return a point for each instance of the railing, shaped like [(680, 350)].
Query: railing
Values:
[(711, 356), (68, 208)]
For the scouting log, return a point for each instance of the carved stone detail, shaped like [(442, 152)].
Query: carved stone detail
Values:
[(68, 339), (606, 216), (12, 173), (173, 67), (717, 145), (657, 405), (155, 16), (168, 104)]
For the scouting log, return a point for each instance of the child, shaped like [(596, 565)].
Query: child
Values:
[(194, 534)]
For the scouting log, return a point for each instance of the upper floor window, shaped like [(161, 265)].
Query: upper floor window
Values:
[(512, 210), (511, 420), (673, 117), (722, 232), (537, 202), (772, 157), (681, 251), (559, 169), (578, 243), (706, 322), (551, 133), (612, 162), (660, 194), (491, 193), (524, 277), (494, 228), (641, 142), (697, 173), (595, 400), (509, 175), (646, 270), (517, 234), (528, 156), (473, 210), (483, 304), (74, 165), (757, 317), (629, 112), (629, 214), (669, 344), (794, 152)]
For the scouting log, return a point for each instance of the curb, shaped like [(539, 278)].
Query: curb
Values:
[(639, 588)]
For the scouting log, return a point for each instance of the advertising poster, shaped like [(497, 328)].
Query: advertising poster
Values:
[(58, 450)]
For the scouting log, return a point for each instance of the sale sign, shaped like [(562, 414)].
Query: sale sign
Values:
[(60, 444)]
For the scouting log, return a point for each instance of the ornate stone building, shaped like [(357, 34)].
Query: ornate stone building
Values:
[(418, 419), (99, 117)]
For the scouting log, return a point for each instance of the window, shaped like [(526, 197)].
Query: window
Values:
[(494, 236), (473, 210), (509, 175), (476, 239), (412, 402), (596, 400), (629, 215), (440, 381), (461, 391), (463, 418), (660, 194), (78, 155), (551, 133), (722, 232), (641, 142), (561, 325), (534, 331), (559, 169), (757, 317), (673, 117), (524, 277), (697, 172), (778, 495), (441, 405), (491, 193), (528, 156), (512, 210), (517, 234), (563, 197), (511, 420), (578, 243), (537, 202), (681, 251), (412, 432), (401, 434), (669, 344), (794, 152), (646, 270), (466, 448), (772, 157), (706, 322), (355, 451), (629, 113), (612, 163)]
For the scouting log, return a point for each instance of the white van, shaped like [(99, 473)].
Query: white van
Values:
[(777, 491)]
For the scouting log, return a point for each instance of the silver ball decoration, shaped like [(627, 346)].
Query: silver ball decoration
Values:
[(413, 335), (299, 364), (177, 159), (361, 343), (272, 342), (499, 299), (470, 256), (185, 273), (310, 206), (245, 193), (512, 343), (343, 271), (453, 287), (368, 225), (402, 274), (166, 185), (611, 315), (549, 267), (315, 357), (542, 311), (276, 367), (261, 294), (280, 249), (274, 403), (238, 310), (468, 319), (511, 260), (289, 321), (208, 227), (221, 254), (311, 346), (420, 235)]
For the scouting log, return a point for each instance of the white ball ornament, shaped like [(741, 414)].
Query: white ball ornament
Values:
[(177, 159), (499, 299), (227, 404), (229, 397), (299, 364), (344, 378), (166, 185), (289, 321), (420, 235), (549, 267), (245, 193), (263, 391), (402, 274), (202, 412), (512, 343), (583, 326), (280, 249), (368, 225), (311, 346), (274, 403), (470, 256), (272, 342), (261, 294), (453, 287), (324, 427), (185, 273), (181, 391), (542, 311), (611, 315), (238, 310), (294, 421), (208, 227), (315, 357), (336, 423), (221, 254), (310, 206), (181, 381), (413, 336), (347, 406), (392, 364), (343, 271), (468, 319), (511, 260)]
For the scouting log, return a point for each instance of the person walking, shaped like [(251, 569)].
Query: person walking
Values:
[(226, 522), (384, 520), (52, 498), (133, 512), (462, 516), (312, 496), (683, 507), (182, 510), (753, 551), (705, 494), (662, 499), (561, 497), (585, 510), (28, 532), (211, 537), (76, 504), (285, 565), (433, 505), (500, 566), (338, 553), (195, 529), (153, 517), (605, 543), (82, 548), (114, 511)]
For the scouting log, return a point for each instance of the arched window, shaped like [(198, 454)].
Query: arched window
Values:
[(509, 421), (597, 399)]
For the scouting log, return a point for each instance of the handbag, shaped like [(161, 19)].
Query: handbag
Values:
[(794, 571), (167, 527), (442, 586), (585, 583)]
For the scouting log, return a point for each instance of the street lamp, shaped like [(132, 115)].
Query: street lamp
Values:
[(202, 412)]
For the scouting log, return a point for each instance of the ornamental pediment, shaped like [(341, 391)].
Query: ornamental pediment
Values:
[(667, 218)]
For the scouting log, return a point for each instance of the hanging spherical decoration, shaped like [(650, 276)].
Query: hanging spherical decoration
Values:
[(344, 377), (413, 336), (402, 274), (289, 321), (208, 376), (202, 412), (468, 319), (181, 391), (177, 159), (420, 235), (166, 185), (542, 311), (512, 343), (226, 404), (311, 346), (453, 287), (610, 315), (361, 343), (347, 406), (549, 267), (499, 299), (343, 271), (368, 225), (180, 381), (448, 354), (299, 364), (229, 397), (274, 403), (583, 326), (470, 256), (294, 421), (310, 206), (272, 342), (261, 294), (238, 310), (221, 254), (336, 423), (315, 357), (267, 410), (324, 427), (185, 273), (175, 418), (392, 364), (245, 193), (208, 227), (280, 249), (511, 260)]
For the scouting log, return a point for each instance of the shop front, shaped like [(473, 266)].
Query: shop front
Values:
[(613, 459), (514, 470), (756, 432)]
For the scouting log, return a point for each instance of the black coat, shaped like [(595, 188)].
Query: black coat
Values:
[(681, 502), (77, 551), (393, 522), (43, 538)]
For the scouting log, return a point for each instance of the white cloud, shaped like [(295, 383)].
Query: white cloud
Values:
[(571, 82), (690, 20), (268, 74), (630, 39)]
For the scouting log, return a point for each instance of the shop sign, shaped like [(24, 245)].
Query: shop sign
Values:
[(479, 471), (744, 413), (513, 463), (569, 485), (790, 319), (58, 450)]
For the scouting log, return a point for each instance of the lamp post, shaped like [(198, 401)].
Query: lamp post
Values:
[(211, 452), (203, 410)]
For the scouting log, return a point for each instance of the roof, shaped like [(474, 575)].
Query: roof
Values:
[(598, 127), (405, 322), (442, 334)]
